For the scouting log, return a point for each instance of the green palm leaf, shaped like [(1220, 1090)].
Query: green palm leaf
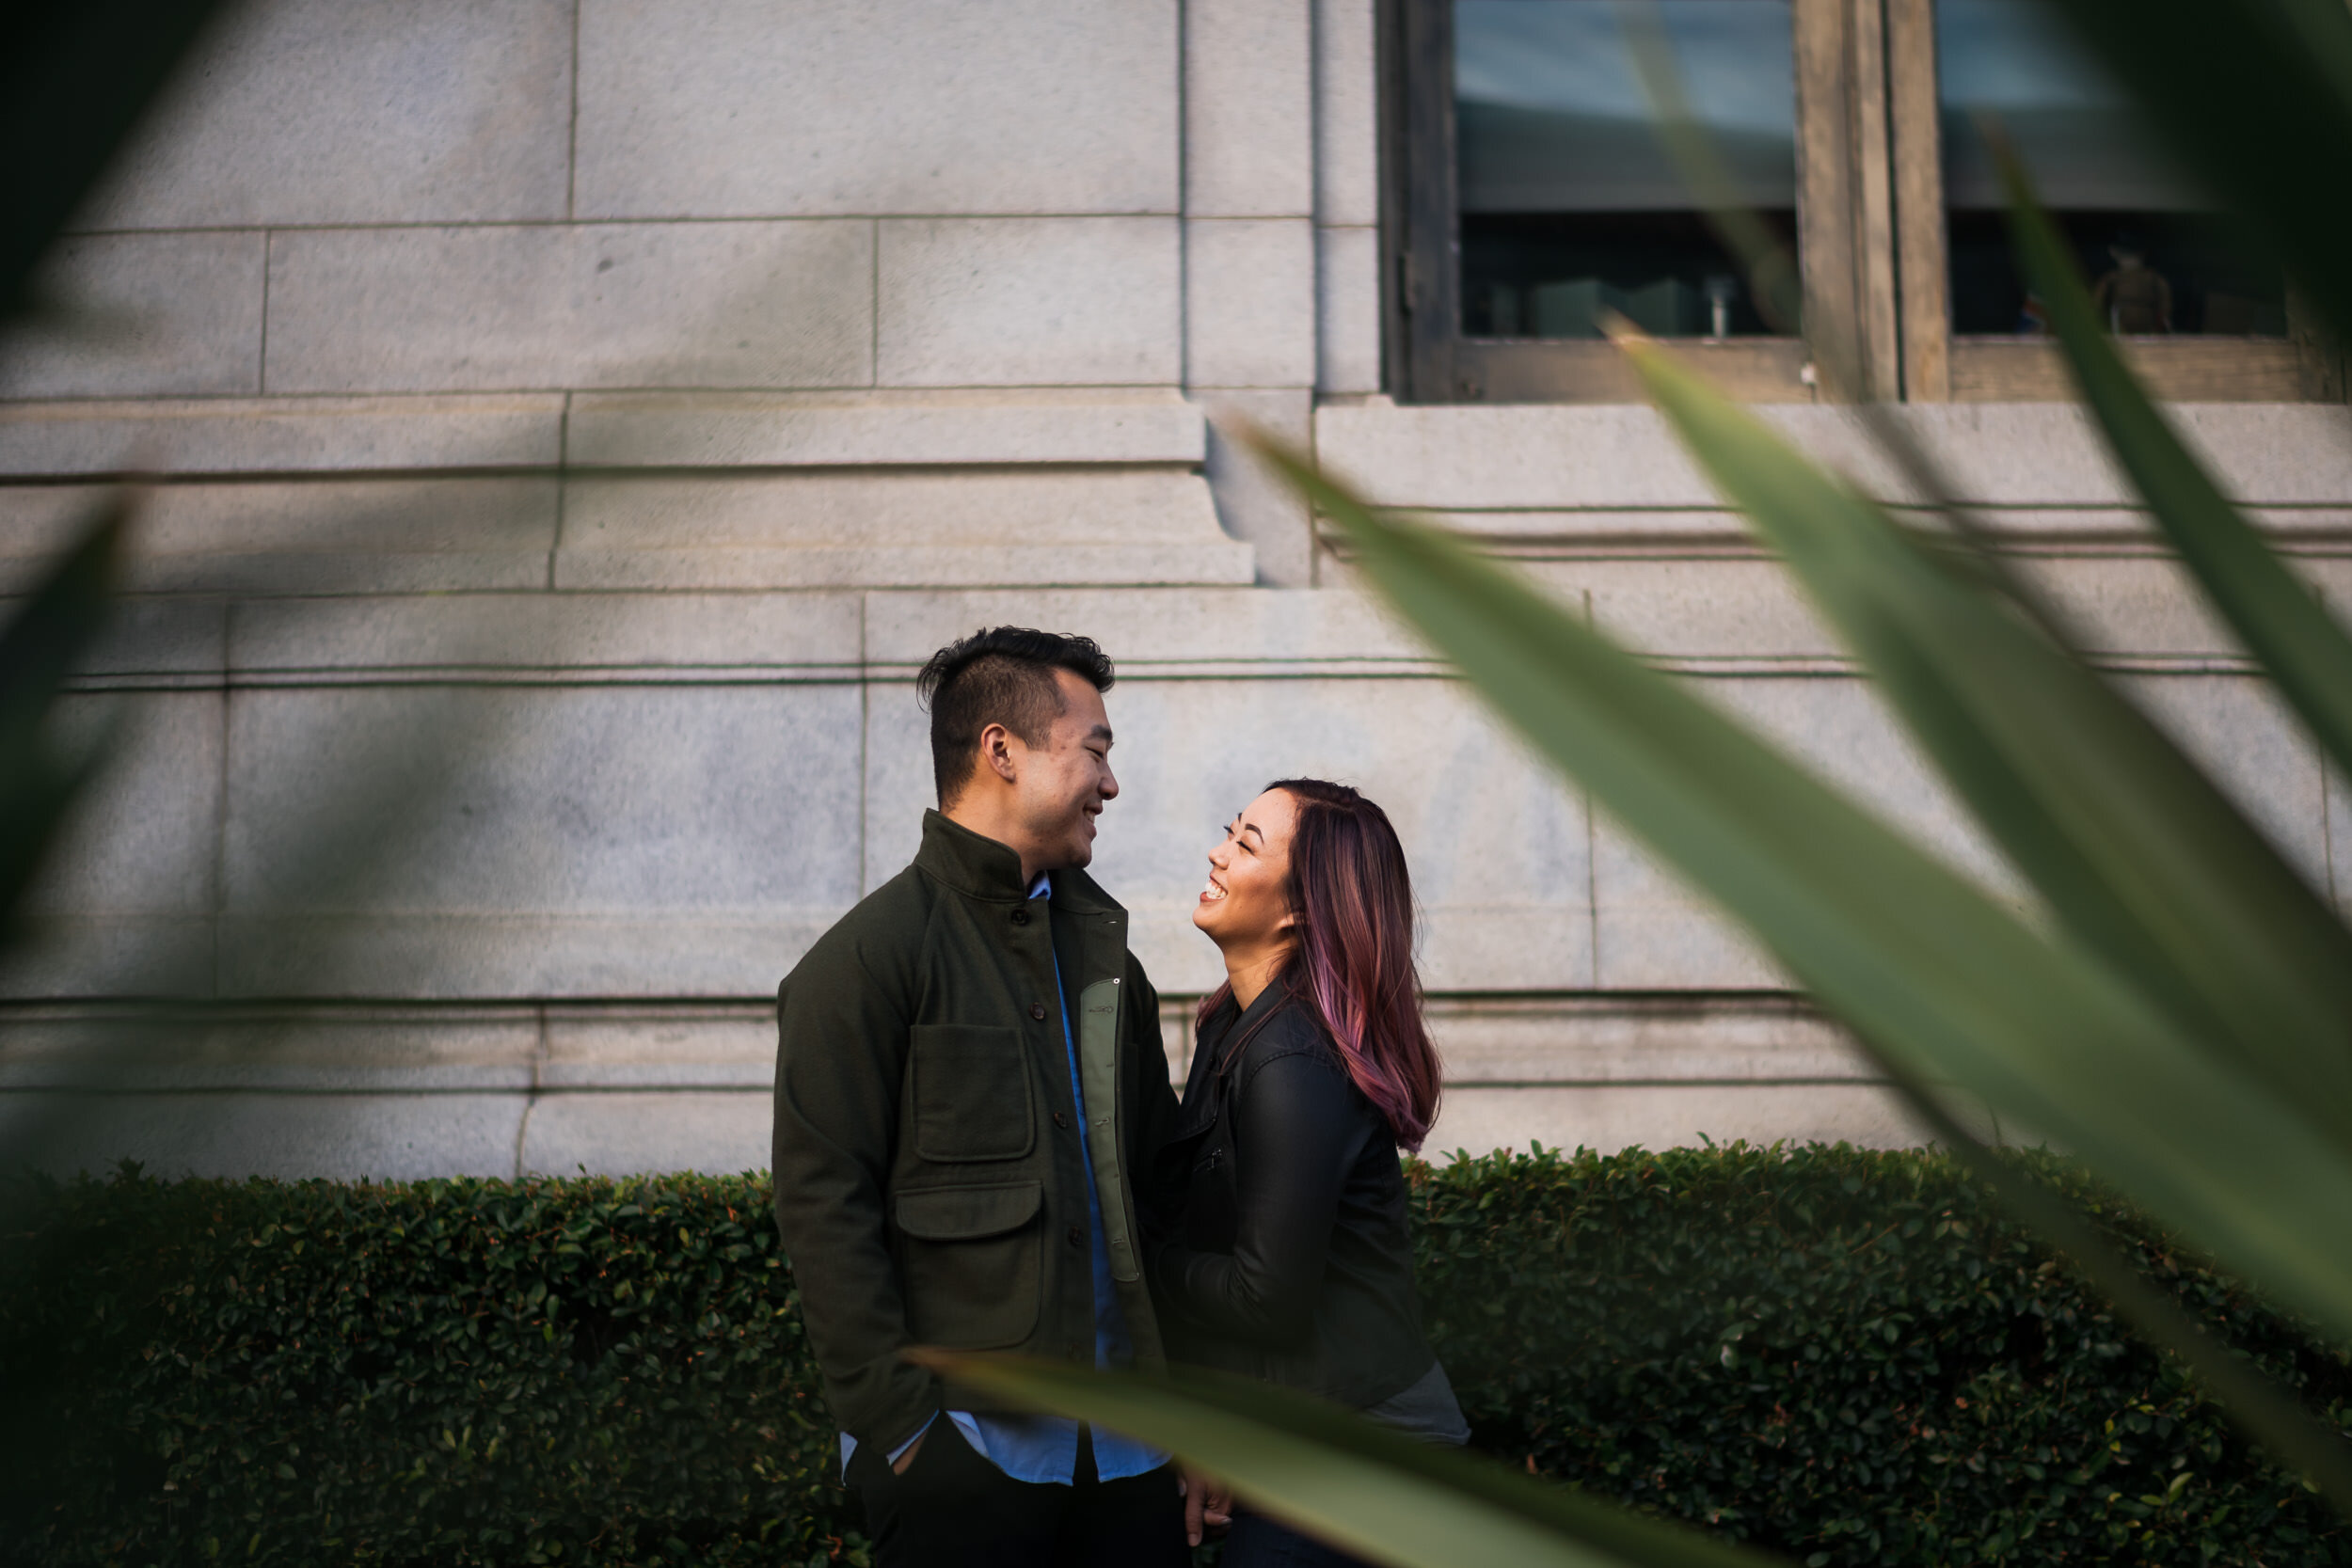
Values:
[(1924, 964), (1346, 1481), (2145, 862), (2277, 616)]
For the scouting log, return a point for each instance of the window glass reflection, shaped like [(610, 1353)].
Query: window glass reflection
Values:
[(1568, 201), (2161, 261)]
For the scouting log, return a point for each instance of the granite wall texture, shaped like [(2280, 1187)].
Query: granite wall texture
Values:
[(575, 424)]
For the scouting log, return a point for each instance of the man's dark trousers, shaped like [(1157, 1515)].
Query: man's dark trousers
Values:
[(953, 1509)]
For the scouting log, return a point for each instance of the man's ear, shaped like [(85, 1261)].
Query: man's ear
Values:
[(998, 753)]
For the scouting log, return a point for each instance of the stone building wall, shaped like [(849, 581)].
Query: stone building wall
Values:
[(577, 423)]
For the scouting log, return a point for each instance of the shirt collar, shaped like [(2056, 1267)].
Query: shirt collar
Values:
[(1043, 886)]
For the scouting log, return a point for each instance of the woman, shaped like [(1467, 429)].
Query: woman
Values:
[(1291, 1259)]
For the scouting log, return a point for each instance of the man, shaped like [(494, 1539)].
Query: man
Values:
[(969, 1089)]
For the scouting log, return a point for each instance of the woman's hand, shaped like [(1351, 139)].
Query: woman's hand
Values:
[(1208, 1504)]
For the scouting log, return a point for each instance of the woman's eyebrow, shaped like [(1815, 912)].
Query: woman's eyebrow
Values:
[(1254, 828)]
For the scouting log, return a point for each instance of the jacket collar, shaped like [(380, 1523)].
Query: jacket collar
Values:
[(1223, 1027), (980, 867)]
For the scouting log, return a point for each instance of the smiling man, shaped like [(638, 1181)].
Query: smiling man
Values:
[(969, 1089)]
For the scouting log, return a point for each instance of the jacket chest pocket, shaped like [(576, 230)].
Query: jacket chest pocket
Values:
[(970, 1086), (972, 1261)]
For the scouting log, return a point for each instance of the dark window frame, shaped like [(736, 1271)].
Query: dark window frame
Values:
[(1871, 249), (1431, 361), (1943, 366)]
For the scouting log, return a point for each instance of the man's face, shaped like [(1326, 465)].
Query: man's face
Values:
[(1063, 783)]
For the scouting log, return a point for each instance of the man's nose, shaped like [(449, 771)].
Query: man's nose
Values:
[(1110, 786)]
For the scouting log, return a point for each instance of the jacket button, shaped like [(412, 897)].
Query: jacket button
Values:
[(1061, 1119), (1020, 916), (1077, 1237), (1036, 1011)]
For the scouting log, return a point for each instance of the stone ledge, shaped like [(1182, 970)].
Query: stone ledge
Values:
[(606, 430), (883, 429), (1544, 534), (231, 435), (1541, 456)]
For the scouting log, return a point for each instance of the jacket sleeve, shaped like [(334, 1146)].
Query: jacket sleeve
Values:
[(1293, 1136), (841, 1043)]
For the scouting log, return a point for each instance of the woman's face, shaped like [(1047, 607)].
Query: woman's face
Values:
[(1243, 906)]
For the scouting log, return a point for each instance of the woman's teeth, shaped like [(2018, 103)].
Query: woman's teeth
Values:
[(1211, 892)]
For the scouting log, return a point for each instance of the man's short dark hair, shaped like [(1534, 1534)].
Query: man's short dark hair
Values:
[(999, 676)]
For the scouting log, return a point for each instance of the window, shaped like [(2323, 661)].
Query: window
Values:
[(1567, 202), (1528, 192), (2200, 318)]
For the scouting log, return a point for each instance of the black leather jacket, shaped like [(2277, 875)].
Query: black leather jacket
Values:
[(1289, 1258)]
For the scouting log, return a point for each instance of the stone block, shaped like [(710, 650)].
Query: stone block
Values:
[(900, 528), (1347, 311), (1845, 732), (668, 1048), (241, 435), (488, 841), (310, 536), (1248, 108), (310, 112), (1653, 931), (1711, 1039), (728, 108), (141, 315), (1656, 933), (466, 957), (1164, 633), (1525, 455), (142, 840), (66, 956), (123, 904), (670, 430), (589, 305), (159, 641), (1347, 114), (109, 1047), (576, 639), (2144, 607), (1697, 608), (619, 1133), (1011, 302), (897, 779), (1255, 503), (2236, 728), (345, 1137), (1477, 1120), (1249, 302)]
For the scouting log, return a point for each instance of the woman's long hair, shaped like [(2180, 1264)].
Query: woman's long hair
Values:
[(1353, 962)]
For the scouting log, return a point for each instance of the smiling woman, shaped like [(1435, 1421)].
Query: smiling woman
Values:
[(1289, 1258)]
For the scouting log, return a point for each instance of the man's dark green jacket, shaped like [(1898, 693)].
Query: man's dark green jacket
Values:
[(929, 1184)]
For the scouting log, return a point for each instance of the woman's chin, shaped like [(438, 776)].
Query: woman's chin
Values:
[(1204, 919)]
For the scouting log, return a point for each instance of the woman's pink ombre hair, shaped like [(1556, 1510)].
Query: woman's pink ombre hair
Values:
[(1353, 960)]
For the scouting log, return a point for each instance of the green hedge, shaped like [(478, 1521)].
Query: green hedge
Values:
[(1852, 1357), (1845, 1355)]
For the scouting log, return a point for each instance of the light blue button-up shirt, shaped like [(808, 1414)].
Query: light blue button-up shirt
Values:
[(1046, 1447)]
